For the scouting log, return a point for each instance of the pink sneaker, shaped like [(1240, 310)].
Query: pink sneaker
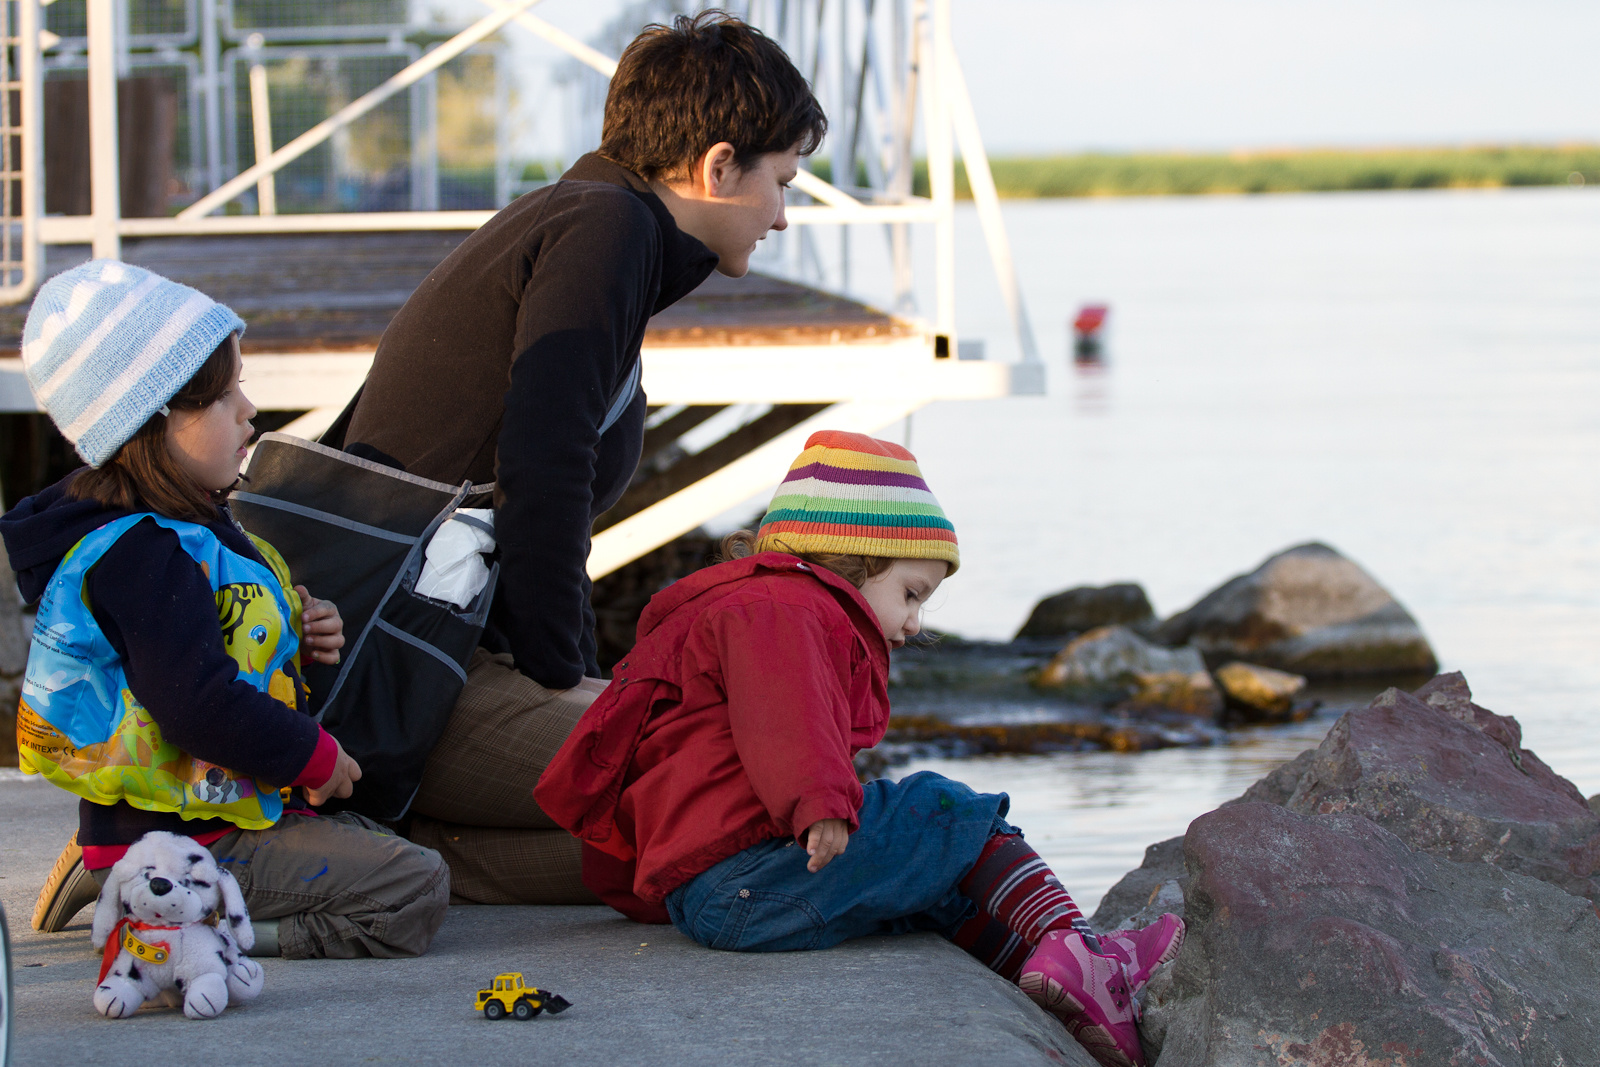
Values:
[(1088, 993), (1142, 951)]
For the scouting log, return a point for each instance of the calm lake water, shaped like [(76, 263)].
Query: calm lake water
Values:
[(1413, 378)]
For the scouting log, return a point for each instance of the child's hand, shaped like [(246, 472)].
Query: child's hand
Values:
[(341, 783), (826, 839), (322, 629)]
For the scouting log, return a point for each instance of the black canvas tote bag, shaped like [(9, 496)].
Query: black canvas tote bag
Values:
[(354, 532)]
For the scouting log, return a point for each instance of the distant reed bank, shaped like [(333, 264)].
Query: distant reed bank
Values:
[(1323, 170)]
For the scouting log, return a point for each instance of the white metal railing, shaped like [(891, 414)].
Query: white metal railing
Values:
[(934, 76), (21, 144), (319, 133)]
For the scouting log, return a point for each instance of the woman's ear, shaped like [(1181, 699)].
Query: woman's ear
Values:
[(716, 168)]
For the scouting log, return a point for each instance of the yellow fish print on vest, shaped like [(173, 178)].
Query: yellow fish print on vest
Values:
[(251, 625)]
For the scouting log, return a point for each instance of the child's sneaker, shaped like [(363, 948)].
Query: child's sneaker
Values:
[(1142, 951), (1088, 993)]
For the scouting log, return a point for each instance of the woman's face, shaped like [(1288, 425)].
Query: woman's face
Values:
[(731, 208), (752, 207), (209, 444)]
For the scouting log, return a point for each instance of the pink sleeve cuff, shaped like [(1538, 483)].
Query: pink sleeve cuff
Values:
[(319, 768)]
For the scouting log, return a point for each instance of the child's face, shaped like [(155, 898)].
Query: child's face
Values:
[(210, 443), (897, 595)]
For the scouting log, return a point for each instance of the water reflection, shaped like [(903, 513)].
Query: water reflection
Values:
[(1091, 814)]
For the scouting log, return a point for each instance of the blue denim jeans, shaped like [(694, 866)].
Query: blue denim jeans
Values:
[(918, 838)]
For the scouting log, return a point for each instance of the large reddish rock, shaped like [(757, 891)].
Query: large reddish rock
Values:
[(1451, 778), (1326, 941), (1419, 889)]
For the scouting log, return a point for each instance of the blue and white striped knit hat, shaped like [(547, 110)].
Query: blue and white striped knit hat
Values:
[(107, 344)]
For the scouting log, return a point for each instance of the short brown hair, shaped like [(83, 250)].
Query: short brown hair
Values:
[(143, 476), (705, 79), (854, 569)]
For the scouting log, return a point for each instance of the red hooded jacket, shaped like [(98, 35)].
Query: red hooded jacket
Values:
[(734, 720)]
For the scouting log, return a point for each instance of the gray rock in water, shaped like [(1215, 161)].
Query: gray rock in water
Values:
[(1308, 610), (1086, 608), (1110, 656), (1113, 664), (1327, 940)]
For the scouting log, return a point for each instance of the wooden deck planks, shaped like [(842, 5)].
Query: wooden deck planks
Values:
[(337, 293)]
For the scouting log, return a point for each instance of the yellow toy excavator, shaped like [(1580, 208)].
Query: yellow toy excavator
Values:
[(509, 996)]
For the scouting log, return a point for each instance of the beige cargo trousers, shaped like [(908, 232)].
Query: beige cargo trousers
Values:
[(475, 805)]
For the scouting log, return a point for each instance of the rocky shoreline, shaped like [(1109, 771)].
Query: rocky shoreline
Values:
[(1093, 667)]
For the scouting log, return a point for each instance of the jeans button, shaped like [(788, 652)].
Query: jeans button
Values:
[(744, 894)]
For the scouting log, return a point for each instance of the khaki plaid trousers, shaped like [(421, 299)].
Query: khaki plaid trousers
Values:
[(475, 805)]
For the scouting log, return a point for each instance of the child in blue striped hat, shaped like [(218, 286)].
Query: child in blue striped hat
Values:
[(163, 683)]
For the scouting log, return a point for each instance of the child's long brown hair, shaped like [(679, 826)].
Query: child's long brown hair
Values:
[(143, 476), (854, 569)]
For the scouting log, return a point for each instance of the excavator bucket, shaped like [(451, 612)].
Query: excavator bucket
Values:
[(555, 1004)]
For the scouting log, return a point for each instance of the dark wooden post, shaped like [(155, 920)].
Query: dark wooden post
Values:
[(147, 123)]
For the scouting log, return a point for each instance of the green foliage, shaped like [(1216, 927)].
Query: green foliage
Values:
[(1284, 172), (270, 14), (823, 168)]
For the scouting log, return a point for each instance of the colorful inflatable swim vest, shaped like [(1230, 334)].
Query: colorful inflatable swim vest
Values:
[(80, 726)]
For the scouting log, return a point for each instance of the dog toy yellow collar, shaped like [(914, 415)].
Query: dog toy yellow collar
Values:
[(151, 951)]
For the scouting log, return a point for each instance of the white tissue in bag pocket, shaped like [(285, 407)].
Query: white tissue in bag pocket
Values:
[(453, 568)]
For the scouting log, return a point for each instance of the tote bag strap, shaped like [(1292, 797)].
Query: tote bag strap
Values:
[(624, 396), (334, 435)]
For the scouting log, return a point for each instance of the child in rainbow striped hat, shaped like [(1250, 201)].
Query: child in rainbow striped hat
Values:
[(727, 738)]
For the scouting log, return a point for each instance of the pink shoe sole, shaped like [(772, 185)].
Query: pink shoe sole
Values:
[(1142, 951), (1088, 993)]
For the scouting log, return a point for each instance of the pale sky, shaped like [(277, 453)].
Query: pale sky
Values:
[(1072, 75)]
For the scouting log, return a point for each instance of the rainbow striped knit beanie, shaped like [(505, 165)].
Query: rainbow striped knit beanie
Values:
[(107, 344), (859, 496)]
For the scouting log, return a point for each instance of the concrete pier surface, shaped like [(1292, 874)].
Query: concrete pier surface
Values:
[(640, 994)]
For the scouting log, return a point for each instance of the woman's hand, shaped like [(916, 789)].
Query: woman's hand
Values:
[(826, 839), (341, 783), (322, 630)]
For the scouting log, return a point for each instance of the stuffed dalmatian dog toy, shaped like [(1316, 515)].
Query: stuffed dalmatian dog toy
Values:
[(173, 924)]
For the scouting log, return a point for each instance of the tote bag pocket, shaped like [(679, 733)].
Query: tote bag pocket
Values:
[(401, 683)]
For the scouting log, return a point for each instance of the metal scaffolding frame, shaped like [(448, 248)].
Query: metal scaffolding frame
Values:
[(875, 63), (888, 76)]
